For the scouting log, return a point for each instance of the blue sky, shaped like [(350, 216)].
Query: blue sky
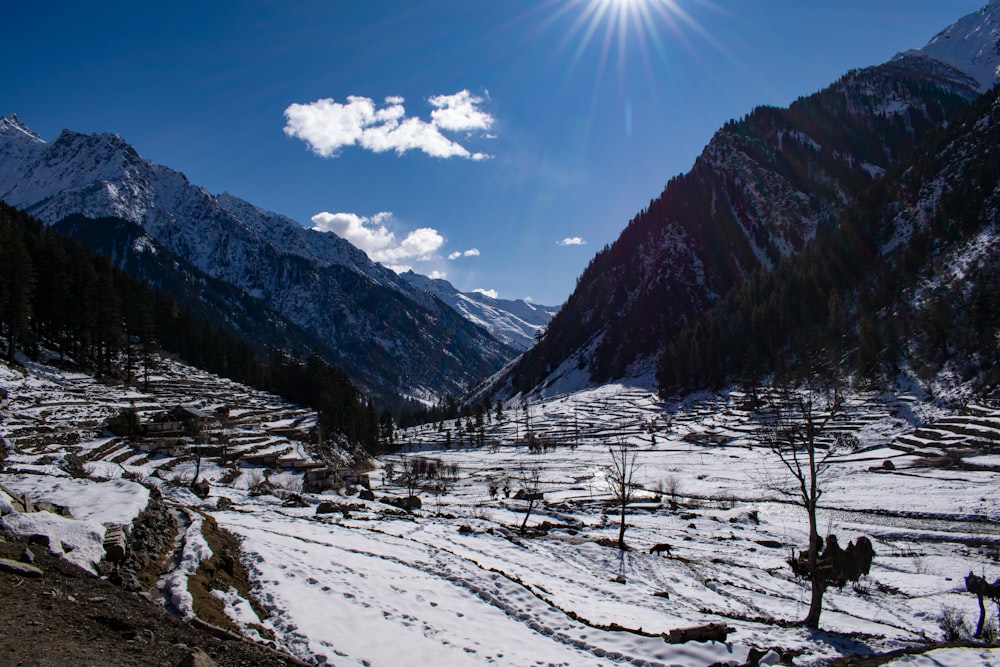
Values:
[(499, 144)]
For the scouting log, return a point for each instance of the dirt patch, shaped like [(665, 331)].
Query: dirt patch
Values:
[(221, 572), (68, 617)]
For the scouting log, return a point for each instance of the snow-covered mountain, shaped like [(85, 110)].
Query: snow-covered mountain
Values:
[(970, 45), (516, 323), (386, 333), (758, 192)]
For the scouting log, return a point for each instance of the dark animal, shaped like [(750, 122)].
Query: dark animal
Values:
[(659, 548)]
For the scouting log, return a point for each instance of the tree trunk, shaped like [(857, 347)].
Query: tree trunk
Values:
[(524, 524), (815, 604), (712, 632), (621, 530), (982, 618), (818, 585)]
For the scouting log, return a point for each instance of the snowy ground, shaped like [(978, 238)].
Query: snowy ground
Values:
[(455, 583)]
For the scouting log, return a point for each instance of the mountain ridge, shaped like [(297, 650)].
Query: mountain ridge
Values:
[(757, 193), (516, 322), (399, 339)]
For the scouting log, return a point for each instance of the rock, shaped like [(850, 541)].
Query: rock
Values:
[(22, 569), (41, 540), (294, 500), (769, 658), (196, 658), (408, 503), (465, 530), (28, 556), (326, 507), (770, 544), (620, 580), (114, 544), (366, 494), (201, 488), (223, 504)]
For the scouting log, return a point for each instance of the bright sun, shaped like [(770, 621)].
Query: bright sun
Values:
[(618, 25)]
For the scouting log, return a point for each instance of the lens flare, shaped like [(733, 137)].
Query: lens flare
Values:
[(622, 25)]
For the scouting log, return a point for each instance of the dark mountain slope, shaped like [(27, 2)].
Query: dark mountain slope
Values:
[(907, 279), (759, 192)]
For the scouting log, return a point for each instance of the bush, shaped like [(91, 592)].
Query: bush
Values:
[(952, 623)]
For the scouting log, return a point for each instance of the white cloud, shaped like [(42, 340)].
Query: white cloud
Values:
[(420, 244), (437, 275), (380, 243), (369, 234), (471, 252), (459, 112), (572, 240), (492, 293), (328, 126)]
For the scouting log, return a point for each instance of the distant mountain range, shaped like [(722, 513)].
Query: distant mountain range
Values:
[(758, 193), (263, 273), (515, 323)]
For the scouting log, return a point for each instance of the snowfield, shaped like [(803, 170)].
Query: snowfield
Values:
[(456, 582)]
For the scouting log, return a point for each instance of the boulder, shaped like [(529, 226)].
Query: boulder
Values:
[(114, 544), (22, 569), (326, 507)]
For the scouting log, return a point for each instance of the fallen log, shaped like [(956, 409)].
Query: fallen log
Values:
[(712, 632)]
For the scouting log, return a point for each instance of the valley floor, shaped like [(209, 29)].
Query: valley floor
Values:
[(456, 582)]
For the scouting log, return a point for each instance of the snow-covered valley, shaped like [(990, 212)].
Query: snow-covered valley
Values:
[(360, 581)]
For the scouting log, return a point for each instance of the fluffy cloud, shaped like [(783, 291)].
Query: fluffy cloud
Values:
[(492, 293), (328, 126), (572, 240), (471, 252), (379, 242), (459, 112)]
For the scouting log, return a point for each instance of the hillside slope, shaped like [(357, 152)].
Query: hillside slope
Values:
[(360, 314), (758, 193)]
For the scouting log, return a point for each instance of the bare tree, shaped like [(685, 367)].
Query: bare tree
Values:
[(795, 420), (530, 479), (621, 479), (412, 470), (672, 488)]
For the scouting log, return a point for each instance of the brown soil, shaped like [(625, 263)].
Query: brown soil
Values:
[(221, 572), (69, 617)]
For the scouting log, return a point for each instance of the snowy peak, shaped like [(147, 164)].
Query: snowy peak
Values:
[(970, 44), (318, 281), (513, 322), (13, 128)]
